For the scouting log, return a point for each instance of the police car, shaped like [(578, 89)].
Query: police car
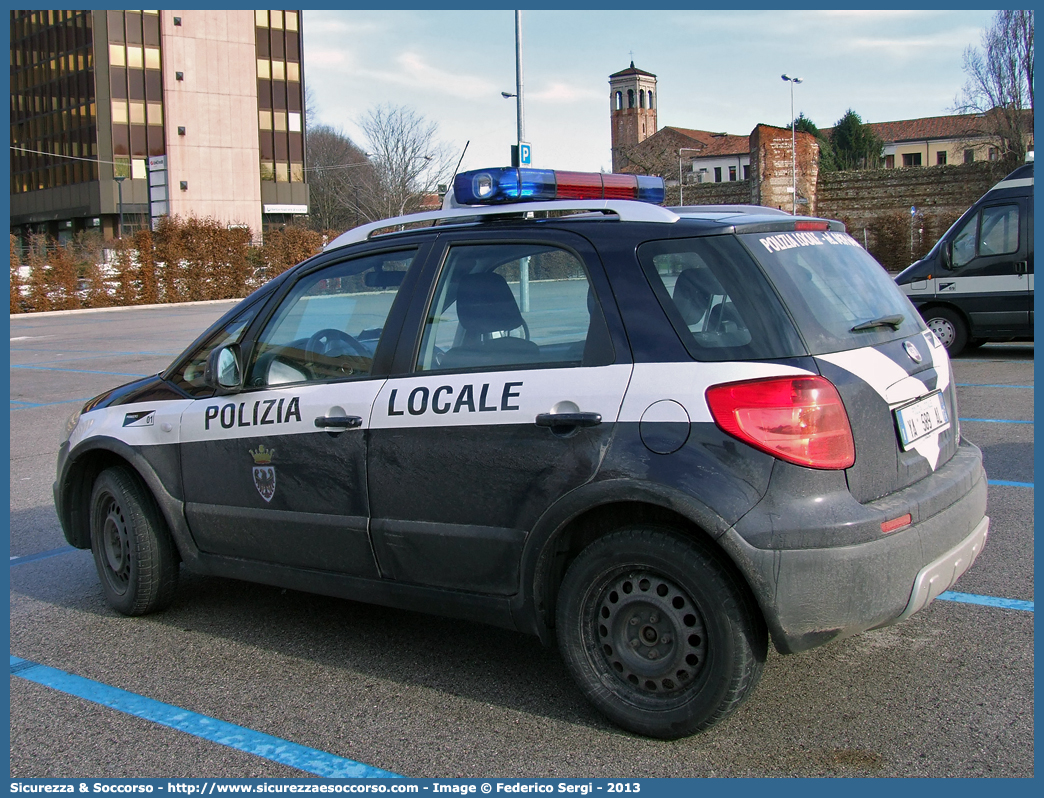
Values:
[(660, 436)]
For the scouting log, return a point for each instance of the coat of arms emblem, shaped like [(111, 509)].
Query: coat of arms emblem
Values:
[(264, 472)]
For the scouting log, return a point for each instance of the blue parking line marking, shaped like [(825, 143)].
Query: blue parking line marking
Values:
[(259, 744), (989, 385), (988, 601), (81, 371), (1008, 483), (31, 405), (995, 420), (41, 555)]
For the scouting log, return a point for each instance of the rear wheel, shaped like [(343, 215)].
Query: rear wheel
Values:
[(135, 556), (948, 327), (658, 634)]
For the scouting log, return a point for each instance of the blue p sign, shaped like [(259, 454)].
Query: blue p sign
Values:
[(525, 155)]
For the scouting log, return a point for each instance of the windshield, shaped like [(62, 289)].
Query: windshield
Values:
[(839, 296)]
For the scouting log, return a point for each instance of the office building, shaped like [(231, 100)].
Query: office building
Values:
[(201, 113)]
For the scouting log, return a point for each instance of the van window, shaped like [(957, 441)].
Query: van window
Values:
[(998, 234)]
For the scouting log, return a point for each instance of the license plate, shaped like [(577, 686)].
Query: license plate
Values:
[(921, 418)]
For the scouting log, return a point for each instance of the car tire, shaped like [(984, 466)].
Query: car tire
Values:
[(949, 328), (134, 553), (660, 636)]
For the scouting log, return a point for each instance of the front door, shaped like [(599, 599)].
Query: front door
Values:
[(992, 269), (277, 472), (511, 400)]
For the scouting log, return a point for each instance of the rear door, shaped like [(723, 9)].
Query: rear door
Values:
[(507, 399)]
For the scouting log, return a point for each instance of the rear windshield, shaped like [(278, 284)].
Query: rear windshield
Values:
[(718, 300), (838, 295)]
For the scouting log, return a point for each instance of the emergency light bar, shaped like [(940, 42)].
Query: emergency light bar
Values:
[(508, 184)]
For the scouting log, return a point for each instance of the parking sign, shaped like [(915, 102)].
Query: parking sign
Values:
[(525, 155)]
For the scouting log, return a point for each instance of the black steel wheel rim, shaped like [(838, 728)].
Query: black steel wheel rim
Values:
[(114, 541), (650, 634)]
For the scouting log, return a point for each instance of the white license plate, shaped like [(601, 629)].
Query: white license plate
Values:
[(922, 418)]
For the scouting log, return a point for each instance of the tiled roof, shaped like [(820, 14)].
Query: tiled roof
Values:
[(631, 70), (713, 144), (927, 128)]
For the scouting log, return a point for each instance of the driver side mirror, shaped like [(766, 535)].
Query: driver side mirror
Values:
[(947, 255), (223, 372)]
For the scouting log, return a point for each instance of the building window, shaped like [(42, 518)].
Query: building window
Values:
[(717, 174), (993, 154), (732, 173), (940, 158), (889, 162), (630, 98), (641, 98), (912, 159), (650, 100), (969, 156), (619, 101), (746, 171)]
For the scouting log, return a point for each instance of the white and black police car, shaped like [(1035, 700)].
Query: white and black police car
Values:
[(660, 436)]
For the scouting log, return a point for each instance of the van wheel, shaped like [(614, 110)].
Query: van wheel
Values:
[(133, 550), (659, 635), (949, 328)]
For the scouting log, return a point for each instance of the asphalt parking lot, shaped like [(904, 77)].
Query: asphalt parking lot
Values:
[(948, 693)]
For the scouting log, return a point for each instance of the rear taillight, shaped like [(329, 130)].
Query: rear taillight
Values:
[(798, 419)]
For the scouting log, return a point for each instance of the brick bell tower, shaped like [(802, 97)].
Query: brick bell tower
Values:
[(632, 110)]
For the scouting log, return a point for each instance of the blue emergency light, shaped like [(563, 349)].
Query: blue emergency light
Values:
[(509, 184)]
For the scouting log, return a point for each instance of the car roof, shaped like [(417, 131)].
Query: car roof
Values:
[(712, 216)]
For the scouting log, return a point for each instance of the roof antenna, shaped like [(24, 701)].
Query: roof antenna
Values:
[(449, 201), (457, 168)]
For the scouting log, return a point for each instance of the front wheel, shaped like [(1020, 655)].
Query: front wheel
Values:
[(658, 634), (948, 327), (135, 556)]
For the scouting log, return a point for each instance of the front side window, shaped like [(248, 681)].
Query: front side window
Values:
[(1000, 230), (189, 375), (964, 242), (998, 234), (329, 325), (513, 305)]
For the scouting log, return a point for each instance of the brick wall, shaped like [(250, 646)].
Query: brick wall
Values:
[(772, 153), (736, 192), (875, 205)]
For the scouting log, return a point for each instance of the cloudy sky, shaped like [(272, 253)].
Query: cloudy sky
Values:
[(716, 70)]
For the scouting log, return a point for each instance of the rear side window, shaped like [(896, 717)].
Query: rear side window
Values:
[(513, 305), (838, 295), (717, 299)]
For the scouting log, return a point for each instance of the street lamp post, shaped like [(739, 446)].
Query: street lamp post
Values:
[(793, 145), (518, 88), (119, 185), (681, 184)]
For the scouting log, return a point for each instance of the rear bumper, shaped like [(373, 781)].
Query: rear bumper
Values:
[(811, 595)]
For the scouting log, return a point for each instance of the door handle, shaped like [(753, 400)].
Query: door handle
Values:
[(1020, 267), (568, 419), (339, 422)]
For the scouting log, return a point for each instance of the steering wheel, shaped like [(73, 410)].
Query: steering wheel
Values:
[(334, 343)]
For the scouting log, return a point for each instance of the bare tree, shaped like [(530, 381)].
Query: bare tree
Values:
[(999, 82), (340, 180), (408, 161)]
